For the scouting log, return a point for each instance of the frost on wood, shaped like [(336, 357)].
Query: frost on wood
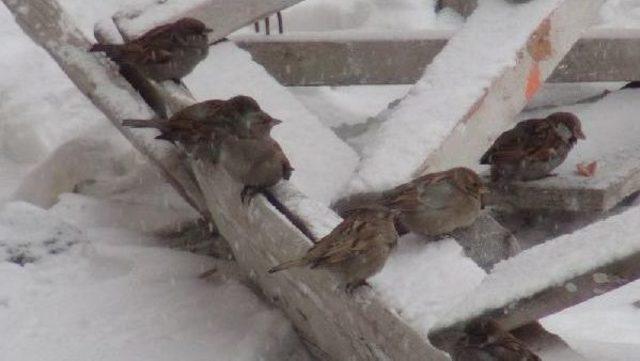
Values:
[(557, 274), (48, 25), (222, 16), (472, 89)]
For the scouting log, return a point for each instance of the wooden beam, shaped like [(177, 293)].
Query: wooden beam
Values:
[(386, 58), (550, 277), (454, 111), (338, 326), (223, 16), (47, 24), (552, 299)]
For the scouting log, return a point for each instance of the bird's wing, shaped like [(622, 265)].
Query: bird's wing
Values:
[(408, 196), (509, 348), (344, 242), (526, 138)]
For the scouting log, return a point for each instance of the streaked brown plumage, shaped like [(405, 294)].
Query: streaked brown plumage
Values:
[(438, 203), (533, 148), (167, 52), (356, 249), (485, 340), (201, 127)]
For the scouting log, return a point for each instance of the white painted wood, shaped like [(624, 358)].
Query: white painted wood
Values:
[(222, 16), (483, 108)]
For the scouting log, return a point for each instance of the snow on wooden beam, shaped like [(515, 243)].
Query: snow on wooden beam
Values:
[(388, 58), (462, 7), (553, 276), (47, 24), (334, 325), (473, 89), (614, 181), (222, 16)]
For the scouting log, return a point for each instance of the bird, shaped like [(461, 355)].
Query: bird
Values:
[(356, 249), (438, 203), (201, 127), (257, 163), (486, 340), (533, 148), (167, 52), (234, 133)]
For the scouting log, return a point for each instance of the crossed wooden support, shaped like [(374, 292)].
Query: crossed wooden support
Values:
[(335, 325)]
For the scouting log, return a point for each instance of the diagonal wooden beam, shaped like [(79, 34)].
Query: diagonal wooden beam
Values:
[(553, 276), (454, 112), (223, 16), (47, 24), (339, 326)]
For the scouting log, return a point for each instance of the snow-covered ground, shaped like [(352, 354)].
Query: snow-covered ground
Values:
[(84, 267)]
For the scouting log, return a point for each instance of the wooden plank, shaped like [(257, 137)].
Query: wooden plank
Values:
[(383, 58), (337, 326), (334, 325), (222, 16), (454, 111), (47, 24), (555, 298), (553, 276)]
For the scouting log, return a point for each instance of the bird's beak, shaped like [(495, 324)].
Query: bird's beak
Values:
[(275, 121), (207, 30), (580, 134)]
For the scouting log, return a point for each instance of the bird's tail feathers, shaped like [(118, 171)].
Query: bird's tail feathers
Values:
[(157, 123), (287, 265), (113, 51)]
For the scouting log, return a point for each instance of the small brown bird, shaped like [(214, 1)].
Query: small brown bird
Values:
[(356, 249), (201, 127), (258, 163), (533, 148), (167, 52), (485, 340), (438, 203)]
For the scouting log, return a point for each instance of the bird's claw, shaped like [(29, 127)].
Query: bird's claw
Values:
[(247, 194)]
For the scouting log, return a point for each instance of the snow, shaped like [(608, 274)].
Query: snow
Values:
[(421, 280), (552, 264), (440, 99), (612, 117)]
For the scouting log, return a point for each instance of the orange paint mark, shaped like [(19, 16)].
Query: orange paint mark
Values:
[(533, 82)]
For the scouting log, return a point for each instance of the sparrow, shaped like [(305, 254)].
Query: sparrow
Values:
[(201, 127), (167, 52), (533, 148), (257, 163), (356, 249), (485, 340), (437, 203)]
